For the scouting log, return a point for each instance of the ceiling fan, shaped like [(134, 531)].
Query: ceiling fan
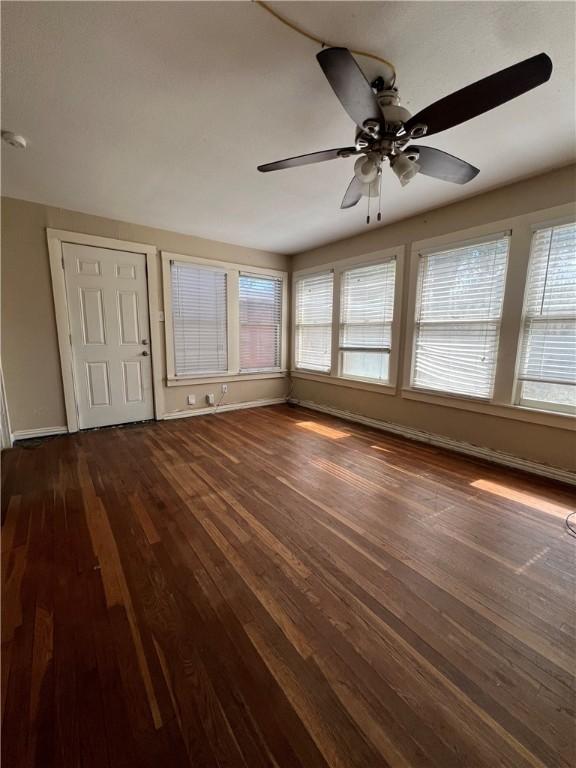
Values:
[(384, 127)]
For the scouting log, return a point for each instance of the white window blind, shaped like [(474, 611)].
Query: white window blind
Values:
[(460, 293), (313, 322), (547, 369), (366, 311), (199, 319), (260, 322)]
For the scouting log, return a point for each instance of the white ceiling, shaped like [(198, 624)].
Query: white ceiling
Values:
[(158, 113)]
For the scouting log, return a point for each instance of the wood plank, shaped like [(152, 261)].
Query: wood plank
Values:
[(276, 588)]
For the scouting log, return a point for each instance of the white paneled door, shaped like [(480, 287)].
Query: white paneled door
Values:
[(110, 334)]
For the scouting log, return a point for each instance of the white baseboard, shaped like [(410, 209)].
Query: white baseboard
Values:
[(487, 454), (29, 434), (222, 408)]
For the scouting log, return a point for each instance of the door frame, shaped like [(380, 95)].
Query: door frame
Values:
[(56, 238)]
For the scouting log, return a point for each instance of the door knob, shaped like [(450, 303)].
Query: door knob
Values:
[(145, 354)]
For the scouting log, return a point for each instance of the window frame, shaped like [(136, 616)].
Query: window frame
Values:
[(232, 271), (503, 403), (334, 376), (273, 369), (538, 406), (171, 349), (414, 306), (297, 277), (341, 349)]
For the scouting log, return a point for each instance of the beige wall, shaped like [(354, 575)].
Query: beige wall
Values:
[(537, 442), (30, 357), (539, 192)]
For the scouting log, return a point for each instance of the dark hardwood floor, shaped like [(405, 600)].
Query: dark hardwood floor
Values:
[(277, 588)]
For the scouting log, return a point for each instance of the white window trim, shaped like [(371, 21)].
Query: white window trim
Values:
[(392, 369), (535, 406), (543, 406), (504, 401), (326, 378), (224, 378), (413, 305), (337, 268), (296, 277), (233, 271), (246, 272)]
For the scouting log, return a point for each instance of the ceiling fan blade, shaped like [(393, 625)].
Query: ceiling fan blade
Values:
[(441, 165), (484, 95), (350, 85), (353, 193), (313, 157)]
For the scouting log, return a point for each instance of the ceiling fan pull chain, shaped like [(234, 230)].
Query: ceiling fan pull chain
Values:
[(379, 217), (369, 194)]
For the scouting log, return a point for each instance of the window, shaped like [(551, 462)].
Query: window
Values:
[(260, 322), (313, 322), (459, 304), (199, 319), (222, 319), (547, 366), (366, 311)]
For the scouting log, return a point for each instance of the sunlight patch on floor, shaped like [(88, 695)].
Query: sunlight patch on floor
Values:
[(526, 499), (321, 429)]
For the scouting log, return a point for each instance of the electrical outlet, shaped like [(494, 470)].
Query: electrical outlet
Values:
[(210, 398), (224, 388), (191, 399)]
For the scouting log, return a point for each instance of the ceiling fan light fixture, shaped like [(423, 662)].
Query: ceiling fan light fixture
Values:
[(14, 139), (366, 169), (404, 167), (373, 189)]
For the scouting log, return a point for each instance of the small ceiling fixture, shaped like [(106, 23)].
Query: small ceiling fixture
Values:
[(384, 127), (14, 139)]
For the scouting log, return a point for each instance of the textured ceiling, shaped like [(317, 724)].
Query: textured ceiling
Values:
[(158, 113)]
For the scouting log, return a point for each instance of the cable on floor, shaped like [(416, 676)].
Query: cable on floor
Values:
[(570, 528), (325, 43), (291, 383), (219, 403)]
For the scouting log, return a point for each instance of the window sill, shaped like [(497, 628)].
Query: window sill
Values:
[(189, 381), (340, 381), (540, 407), (504, 410)]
